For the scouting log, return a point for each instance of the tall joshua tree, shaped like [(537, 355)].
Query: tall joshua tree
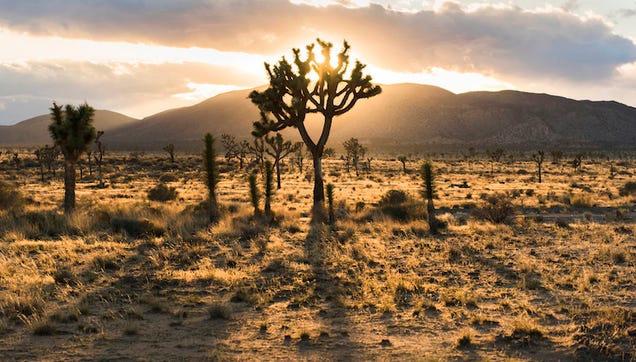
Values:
[(170, 149), (428, 193), (278, 148), (538, 159), (211, 175), (403, 159), (292, 95), (355, 151), (72, 131), (99, 157)]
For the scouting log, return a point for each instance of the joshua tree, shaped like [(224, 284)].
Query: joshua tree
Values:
[(235, 149), (39, 156), (292, 95), (612, 169), (368, 167), (72, 131), (428, 193), (211, 175), (50, 155), (577, 162), (403, 159), (355, 151), (269, 188), (557, 155), (538, 159), (331, 213), (495, 156), (255, 196), (299, 155), (470, 154), (89, 161), (98, 155), (328, 152), (257, 149), (278, 148), (16, 160), (170, 149)]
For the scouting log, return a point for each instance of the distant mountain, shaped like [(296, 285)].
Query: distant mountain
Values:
[(35, 131), (409, 115), (415, 114)]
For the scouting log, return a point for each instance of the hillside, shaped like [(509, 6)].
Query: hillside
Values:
[(34, 131), (404, 114), (415, 115)]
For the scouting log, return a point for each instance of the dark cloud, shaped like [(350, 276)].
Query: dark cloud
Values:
[(28, 89), (495, 41)]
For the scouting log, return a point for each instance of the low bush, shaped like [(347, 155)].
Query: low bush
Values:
[(10, 197), (162, 193), (496, 208), (581, 200), (168, 177), (397, 205), (394, 197), (136, 228), (629, 189)]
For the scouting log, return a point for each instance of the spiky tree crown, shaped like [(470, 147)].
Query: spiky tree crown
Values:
[(72, 129)]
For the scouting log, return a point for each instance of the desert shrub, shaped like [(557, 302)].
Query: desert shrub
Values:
[(49, 223), (581, 200), (162, 193), (168, 177), (10, 197), (628, 189), (393, 197), (136, 228), (496, 208), (397, 205)]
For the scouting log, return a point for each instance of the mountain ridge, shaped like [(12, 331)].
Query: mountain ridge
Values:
[(409, 113)]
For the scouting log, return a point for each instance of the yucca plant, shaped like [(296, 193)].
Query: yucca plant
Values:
[(211, 175), (428, 192)]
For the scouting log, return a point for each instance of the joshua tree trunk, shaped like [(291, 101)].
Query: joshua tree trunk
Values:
[(318, 211), (100, 175), (278, 175), (432, 222), (69, 187)]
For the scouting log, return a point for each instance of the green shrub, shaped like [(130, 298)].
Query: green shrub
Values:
[(162, 193)]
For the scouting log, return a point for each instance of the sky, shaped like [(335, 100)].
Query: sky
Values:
[(140, 57)]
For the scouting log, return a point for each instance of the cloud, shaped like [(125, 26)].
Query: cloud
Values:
[(627, 13), (27, 89), (494, 40)]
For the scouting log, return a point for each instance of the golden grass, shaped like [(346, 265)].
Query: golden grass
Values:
[(180, 288)]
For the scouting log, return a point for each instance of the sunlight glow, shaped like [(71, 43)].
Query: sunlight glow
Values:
[(453, 81), (204, 91)]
